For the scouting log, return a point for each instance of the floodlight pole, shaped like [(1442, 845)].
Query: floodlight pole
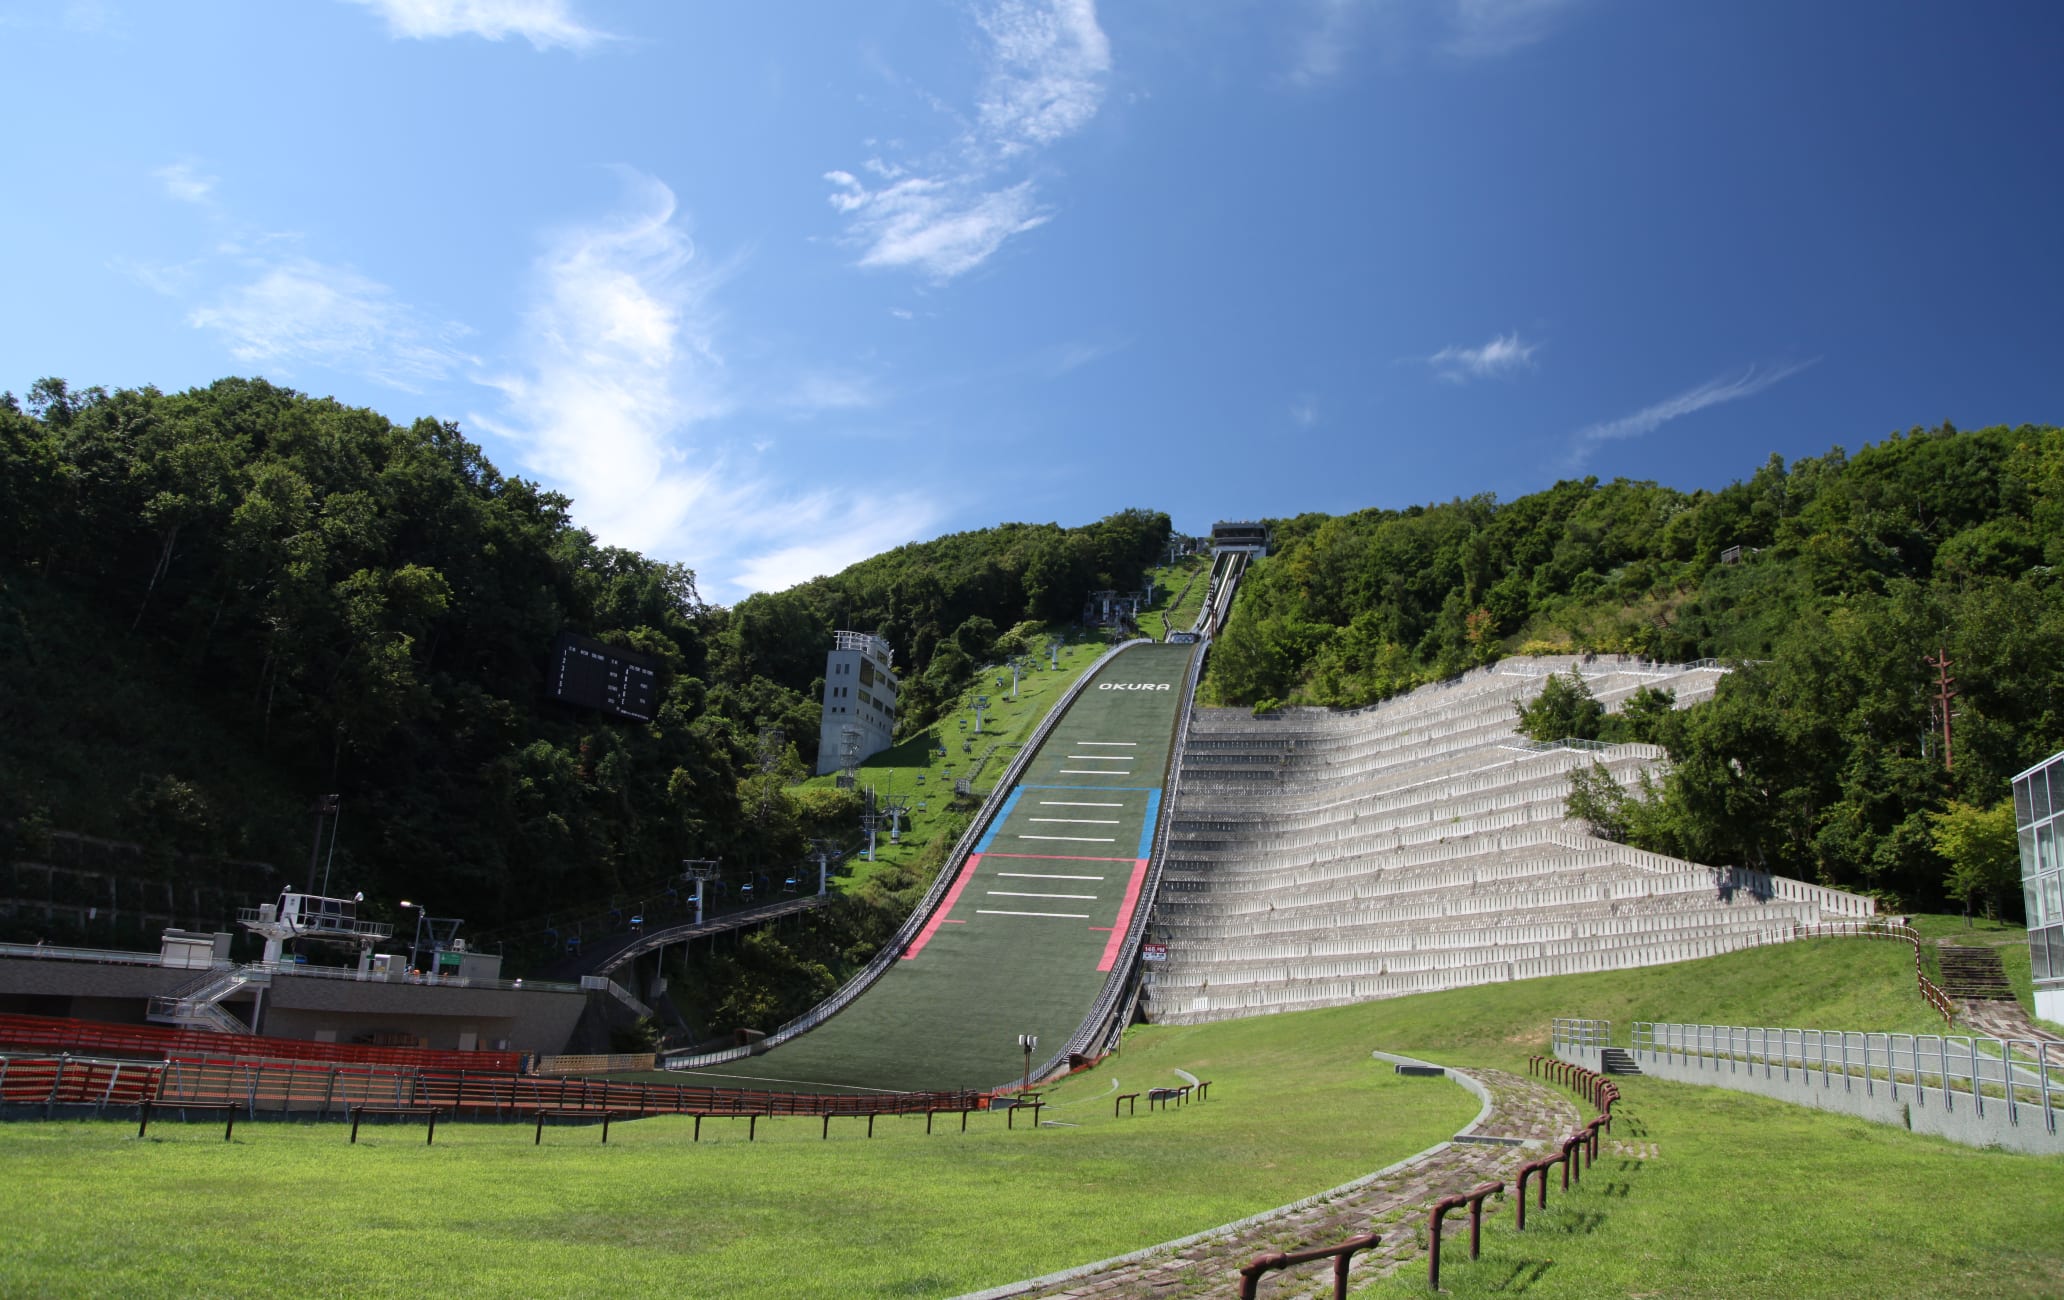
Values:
[(336, 816), (325, 806)]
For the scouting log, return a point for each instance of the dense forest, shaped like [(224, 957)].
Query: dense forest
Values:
[(217, 605), (1831, 583)]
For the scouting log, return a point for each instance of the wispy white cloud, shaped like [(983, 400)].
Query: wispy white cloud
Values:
[(616, 395), (1304, 412), (1047, 78), (1650, 418), (1504, 355), (828, 534), (1044, 81), (824, 391), (1325, 41), (1486, 28), (300, 311), (1332, 31), (944, 227), (617, 367), (185, 182), (546, 24)]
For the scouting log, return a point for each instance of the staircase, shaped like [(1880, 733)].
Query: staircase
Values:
[(1615, 1060), (199, 1006), (1974, 974)]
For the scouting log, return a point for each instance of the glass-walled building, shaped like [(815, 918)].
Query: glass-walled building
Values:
[(2039, 816)]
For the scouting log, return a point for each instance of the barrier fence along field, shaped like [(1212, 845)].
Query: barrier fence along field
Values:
[(1966, 1070), (1971, 1089), (309, 1091)]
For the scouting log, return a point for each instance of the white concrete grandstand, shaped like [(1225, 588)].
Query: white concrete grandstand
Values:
[(1321, 858)]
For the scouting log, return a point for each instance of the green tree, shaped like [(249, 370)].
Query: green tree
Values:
[(1979, 845), (1563, 709)]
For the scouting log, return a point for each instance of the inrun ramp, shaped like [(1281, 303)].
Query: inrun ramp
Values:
[(1031, 926)]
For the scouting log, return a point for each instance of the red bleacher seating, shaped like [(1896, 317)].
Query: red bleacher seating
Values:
[(54, 1034)]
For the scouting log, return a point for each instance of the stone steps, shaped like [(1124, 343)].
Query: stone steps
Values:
[(1974, 974)]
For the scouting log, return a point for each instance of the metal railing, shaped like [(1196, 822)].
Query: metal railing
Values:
[(892, 951), (1953, 1069), (429, 979), (1572, 1032), (108, 956), (604, 984)]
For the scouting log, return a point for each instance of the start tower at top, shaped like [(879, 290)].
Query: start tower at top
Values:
[(859, 701), (1239, 537)]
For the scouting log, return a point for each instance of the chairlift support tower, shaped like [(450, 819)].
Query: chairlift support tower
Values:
[(699, 872)]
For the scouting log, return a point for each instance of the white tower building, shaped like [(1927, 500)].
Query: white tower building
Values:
[(859, 691)]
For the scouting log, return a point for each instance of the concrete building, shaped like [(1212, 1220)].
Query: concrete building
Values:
[(859, 701), (2039, 817)]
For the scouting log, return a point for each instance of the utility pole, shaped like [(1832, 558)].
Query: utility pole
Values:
[(1945, 687)]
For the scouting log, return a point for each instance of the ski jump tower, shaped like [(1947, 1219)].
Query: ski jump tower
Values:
[(859, 696)]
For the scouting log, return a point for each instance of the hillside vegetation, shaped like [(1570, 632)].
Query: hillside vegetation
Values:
[(216, 605), (1831, 582)]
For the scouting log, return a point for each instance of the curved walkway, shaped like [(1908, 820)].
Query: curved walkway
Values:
[(1524, 1112)]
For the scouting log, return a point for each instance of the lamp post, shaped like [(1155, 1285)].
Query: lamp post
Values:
[(1028, 1042), (416, 944)]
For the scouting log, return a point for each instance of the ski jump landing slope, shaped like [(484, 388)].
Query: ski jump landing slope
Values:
[(1027, 933)]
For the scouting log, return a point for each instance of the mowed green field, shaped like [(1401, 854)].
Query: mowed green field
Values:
[(1742, 1196), (1025, 938), (294, 1210)]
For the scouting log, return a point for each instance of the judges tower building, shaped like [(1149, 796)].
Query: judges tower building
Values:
[(859, 701)]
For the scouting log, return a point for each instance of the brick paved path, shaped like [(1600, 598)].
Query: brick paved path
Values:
[(1394, 1205), (2001, 1020)]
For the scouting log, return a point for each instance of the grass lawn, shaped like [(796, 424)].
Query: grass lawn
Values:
[(914, 767), (1746, 1196), (289, 1209), (1742, 1196), (1178, 596)]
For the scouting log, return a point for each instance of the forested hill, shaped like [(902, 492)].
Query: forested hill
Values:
[(217, 604), (1842, 574)]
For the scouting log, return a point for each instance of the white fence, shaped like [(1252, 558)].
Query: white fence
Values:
[(1971, 1089)]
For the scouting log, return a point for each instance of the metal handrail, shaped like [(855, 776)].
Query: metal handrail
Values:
[(108, 956), (2018, 1072)]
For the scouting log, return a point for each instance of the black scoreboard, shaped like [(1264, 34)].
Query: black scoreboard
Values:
[(591, 675)]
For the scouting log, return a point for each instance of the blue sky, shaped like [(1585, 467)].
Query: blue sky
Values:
[(767, 288)]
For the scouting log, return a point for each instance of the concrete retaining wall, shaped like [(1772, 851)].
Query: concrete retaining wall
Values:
[(1951, 1115)]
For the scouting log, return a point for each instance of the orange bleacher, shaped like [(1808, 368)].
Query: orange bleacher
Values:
[(54, 1034), (63, 1082)]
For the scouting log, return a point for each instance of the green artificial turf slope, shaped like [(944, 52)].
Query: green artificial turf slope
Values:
[(1024, 945)]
